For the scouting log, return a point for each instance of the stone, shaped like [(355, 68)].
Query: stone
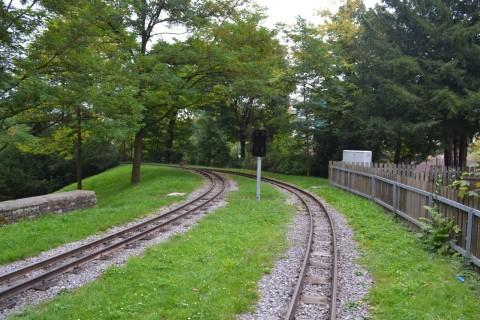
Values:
[(16, 210)]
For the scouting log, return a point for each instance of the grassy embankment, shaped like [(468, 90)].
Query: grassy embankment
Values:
[(222, 258), (118, 202)]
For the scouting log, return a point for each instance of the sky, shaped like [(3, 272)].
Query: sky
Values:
[(287, 10)]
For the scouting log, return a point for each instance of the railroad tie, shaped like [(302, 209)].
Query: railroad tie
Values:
[(323, 243), (54, 265), (148, 237), (322, 254), (320, 265), (44, 285), (107, 256), (81, 269), (312, 299), (318, 280), (132, 245)]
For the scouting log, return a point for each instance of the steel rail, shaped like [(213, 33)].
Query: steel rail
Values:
[(302, 274), (292, 307), (54, 272), (7, 277)]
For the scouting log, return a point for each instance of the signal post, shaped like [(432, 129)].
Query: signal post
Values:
[(259, 150)]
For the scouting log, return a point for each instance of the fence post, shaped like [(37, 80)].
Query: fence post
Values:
[(373, 188), (348, 179), (394, 198), (468, 245)]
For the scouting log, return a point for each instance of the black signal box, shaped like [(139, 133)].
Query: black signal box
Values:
[(259, 143)]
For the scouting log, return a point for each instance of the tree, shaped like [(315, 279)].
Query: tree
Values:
[(18, 23), (311, 65), (78, 90), (145, 18), (211, 146), (418, 74), (247, 86), (179, 84), (323, 61)]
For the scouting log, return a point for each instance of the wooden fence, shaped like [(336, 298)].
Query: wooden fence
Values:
[(406, 190)]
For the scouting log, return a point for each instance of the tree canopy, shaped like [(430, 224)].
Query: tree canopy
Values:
[(164, 80)]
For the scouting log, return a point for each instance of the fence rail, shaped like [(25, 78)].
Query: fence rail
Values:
[(406, 190)]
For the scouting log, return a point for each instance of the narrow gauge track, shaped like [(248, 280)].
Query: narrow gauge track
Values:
[(316, 287), (42, 274)]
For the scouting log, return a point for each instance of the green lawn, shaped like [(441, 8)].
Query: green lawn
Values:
[(118, 202), (211, 271)]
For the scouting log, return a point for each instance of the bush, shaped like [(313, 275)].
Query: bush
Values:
[(26, 175), (438, 230)]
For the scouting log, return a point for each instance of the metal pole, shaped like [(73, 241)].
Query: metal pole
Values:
[(259, 170)]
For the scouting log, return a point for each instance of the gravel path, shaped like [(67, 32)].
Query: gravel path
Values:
[(274, 288)]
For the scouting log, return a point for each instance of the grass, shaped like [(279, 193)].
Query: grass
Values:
[(211, 272), (118, 202), (410, 282)]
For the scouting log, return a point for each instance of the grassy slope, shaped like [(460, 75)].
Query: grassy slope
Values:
[(118, 202), (209, 273)]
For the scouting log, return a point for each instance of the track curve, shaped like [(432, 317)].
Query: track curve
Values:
[(316, 287), (41, 273)]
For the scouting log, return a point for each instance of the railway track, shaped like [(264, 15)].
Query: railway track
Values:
[(41, 275), (315, 291), (316, 287)]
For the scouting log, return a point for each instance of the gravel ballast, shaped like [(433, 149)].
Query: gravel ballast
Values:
[(274, 289)]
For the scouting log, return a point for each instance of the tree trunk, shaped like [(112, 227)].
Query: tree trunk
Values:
[(398, 150), (448, 152), (309, 158), (463, 151), (79, 148), (243, 142), (170, 138), (137, 156), (455, 151)]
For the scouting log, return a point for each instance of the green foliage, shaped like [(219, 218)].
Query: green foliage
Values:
[(285, 154), (311, 65), (418, 61), (248, 85), (438, 230), (468, 184), (17, 28), (71, 84), (25, 174), (210, 145)]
